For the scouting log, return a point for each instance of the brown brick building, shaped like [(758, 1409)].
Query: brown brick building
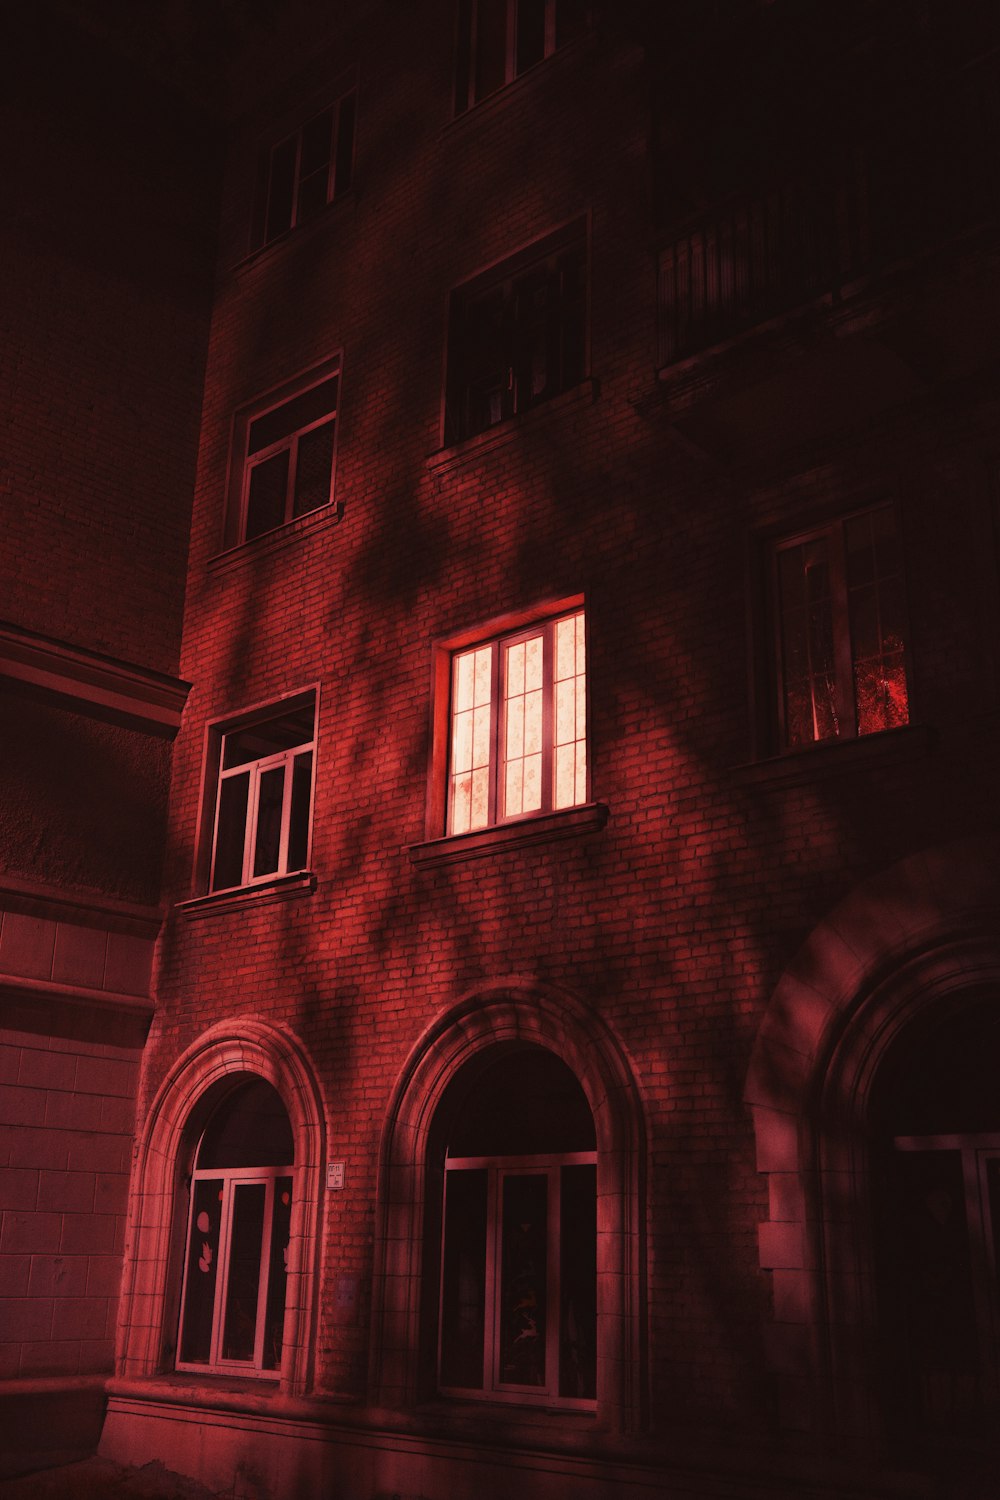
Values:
[(567, 1061)]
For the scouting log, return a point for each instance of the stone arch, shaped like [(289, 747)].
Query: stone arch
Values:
[(191, 1089), (906, 941), (514, 1011)]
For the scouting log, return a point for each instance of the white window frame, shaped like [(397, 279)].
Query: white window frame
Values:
[(243, 463), (231, 1178), (550, 1166), (284, 759), (499, 647)]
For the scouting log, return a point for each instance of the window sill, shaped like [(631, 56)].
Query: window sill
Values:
[(281, 536), (281, 888), (443, 460), (839, 757), (297, 235), (573, 822)]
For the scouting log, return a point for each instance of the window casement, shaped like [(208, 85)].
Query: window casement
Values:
[(263, 797), (238, 1228), (518, 1278), (518, 725), (304, 171), (840, 630), (498, 40), (517, 335), (283, 450)]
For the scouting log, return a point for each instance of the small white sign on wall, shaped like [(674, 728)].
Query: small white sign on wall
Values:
[(334, 1176)]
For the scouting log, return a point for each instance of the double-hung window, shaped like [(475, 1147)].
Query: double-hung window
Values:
[(841, 631), (264, 797), (498, 40), (283, 456), (517, 335), (305, 171), (518, 725)]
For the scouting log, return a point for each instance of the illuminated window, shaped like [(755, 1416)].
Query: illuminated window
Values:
[(236, 1259), (305, 171), (283, 456), (517, 335), (498, 40), (518, 742), (264, 796), (841, 630), (518, 1305)]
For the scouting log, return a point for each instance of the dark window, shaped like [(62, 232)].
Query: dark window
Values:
[(518, 336), (841, 630), (239, 1220), (284, 456), (500, 39), (305, 171), (518, 1307), (264, 803)]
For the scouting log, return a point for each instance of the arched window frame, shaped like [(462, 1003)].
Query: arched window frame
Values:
[(164, 1157), (403, 1342), (912, 939)]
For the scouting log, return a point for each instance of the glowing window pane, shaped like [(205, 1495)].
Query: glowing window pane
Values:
[(537, 721)]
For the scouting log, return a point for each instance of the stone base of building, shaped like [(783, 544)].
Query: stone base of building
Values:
[(46, 1422), (242, 1451)]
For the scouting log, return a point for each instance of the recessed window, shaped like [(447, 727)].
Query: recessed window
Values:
[(305, 171), (283, 456), (517, 336), (498, 40), (518, 725), (841, 630), (239, 1217), (264, 797), (518, 1304)]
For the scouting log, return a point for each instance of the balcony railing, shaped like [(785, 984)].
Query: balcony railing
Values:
[(922, 179)]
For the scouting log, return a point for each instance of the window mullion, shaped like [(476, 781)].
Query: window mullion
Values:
[(222, 1274), (498, 768), (265, 1273), (250, 833), (491, 1322), (548, 716), (510, 61), (842, 645), (297, 178)]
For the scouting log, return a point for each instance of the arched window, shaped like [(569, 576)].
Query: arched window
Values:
[(239, 1218), (515, 1146)]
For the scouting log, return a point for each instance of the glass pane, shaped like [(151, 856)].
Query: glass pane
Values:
[(268, 737), (281, 192), (471, 739), (245, 1236), (578, 1283), (313, 194), (463, 1282), (267, 495), (313, 469), (298, 825), (267, 843), (523, 727), (317, 134), (570, 688), (282, 421), (201, 1273), (875, 609), (491, 46), (250, 1128), (277, 1273), (812, 708), (231, 830), (524, 1241), (530, 33), (345, 146)]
